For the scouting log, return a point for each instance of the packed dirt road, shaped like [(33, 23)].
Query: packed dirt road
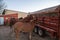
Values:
[(5, 34)]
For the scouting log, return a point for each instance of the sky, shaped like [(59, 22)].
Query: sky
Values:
[(30, 5)]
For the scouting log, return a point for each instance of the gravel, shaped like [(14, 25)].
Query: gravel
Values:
[(5, 34)]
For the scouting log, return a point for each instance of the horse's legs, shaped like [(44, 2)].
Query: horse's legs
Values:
[(17, 35), (30, 36)]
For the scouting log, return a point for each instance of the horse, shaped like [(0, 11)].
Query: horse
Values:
[(12, 22), (26, 25)]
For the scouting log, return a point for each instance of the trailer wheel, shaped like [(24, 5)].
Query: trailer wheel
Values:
[(36, 30), (41, 32)]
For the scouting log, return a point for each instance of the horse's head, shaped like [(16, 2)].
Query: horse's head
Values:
[(30, 18), (33, 19)]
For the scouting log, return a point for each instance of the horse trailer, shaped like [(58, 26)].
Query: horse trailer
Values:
[(48, 22)]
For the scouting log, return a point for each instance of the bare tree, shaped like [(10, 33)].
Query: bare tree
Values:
[(2, 6)]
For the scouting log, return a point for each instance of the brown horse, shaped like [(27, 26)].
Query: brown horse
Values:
[(25, 26)]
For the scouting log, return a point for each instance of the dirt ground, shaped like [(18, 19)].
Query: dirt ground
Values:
[(5, 34)]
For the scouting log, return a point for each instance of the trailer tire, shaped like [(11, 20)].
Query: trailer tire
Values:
[(41, 32), (36, 30)]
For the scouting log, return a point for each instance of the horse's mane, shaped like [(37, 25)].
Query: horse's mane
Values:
[(28, 19)]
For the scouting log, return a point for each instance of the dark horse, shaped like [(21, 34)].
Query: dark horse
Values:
[(12, 22)]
